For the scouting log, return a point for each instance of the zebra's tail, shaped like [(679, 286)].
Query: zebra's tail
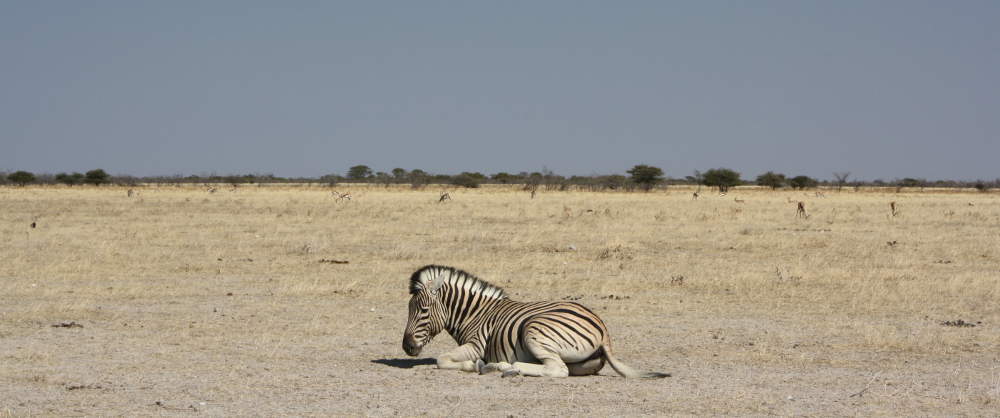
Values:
[(626, 370)]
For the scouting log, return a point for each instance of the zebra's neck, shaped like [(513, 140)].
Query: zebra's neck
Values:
[(465, 298)]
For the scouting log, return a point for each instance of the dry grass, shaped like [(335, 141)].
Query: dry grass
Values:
[(219, 303)]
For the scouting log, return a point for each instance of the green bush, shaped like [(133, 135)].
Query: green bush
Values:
[(70, 179), (469, 180), (359, 172), (646, 176), (802, 182), (21, 177), (97, 177), (771, 179), (723, 178)]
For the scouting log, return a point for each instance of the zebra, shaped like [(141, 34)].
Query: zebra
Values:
[(494, 333)]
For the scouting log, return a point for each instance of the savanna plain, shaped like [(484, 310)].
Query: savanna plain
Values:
[(281, 300)]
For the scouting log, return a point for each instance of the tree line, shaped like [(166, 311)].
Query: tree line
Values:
[(640, 177)]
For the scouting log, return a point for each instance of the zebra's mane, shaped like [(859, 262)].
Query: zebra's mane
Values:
[(454, 277)]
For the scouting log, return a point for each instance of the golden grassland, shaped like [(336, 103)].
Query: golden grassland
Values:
[(238, 303)]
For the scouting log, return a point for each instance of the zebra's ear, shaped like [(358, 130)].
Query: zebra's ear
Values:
[(426, 279), (433, 284)]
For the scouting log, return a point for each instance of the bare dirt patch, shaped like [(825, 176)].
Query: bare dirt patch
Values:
[(238, 304)]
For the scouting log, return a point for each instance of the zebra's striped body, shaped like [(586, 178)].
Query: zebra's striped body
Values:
[(495, 333)]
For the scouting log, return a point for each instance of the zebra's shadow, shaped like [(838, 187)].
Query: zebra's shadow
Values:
[(406, 363)]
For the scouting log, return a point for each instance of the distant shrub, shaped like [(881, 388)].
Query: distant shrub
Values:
[(399, 175), (614, 181), (503, 178), (359, 172), (467, 179), (646, 176), (383, 178), (21, 177), (70, 179), (97, 177), (802, 182), (771, 179), (418, 178), (330, 179), (723, 178)]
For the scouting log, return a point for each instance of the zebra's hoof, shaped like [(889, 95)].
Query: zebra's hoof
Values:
[(481, 366), (511, 373)]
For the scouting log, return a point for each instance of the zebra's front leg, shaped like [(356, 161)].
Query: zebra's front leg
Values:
[(504, 367), (462, 358)]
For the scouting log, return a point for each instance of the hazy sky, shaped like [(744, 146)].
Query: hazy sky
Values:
[(883, 89)]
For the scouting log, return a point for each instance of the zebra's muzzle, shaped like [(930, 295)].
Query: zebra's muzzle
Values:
[(411, 347)]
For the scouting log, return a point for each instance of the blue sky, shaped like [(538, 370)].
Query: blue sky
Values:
[(884, 89)]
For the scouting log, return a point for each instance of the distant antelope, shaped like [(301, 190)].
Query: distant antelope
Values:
[(533, 193), (737, 200), (444, 196), (892, 208), (342, 196), (801, 213), (722, 194), (820, 194), (131, 192), (694, 196), (211, 190)]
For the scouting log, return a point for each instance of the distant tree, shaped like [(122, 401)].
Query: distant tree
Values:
[(97, 177), (723, 178), (771, 179), (840, 178), (21, 177), (466, 179), (70, 179), (981, 186), (359, 172), (418, 173), (802, 182), (418, 178), (399, 174), (646, 176), (503, 178)]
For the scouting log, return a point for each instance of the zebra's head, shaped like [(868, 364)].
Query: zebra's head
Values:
[(426, 317)]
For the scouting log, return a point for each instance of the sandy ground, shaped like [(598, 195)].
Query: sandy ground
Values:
[(222, 305)]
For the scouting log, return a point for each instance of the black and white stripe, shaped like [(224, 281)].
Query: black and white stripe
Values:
[(495, 333)]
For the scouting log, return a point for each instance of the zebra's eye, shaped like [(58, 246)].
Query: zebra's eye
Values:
[(423, 309)]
